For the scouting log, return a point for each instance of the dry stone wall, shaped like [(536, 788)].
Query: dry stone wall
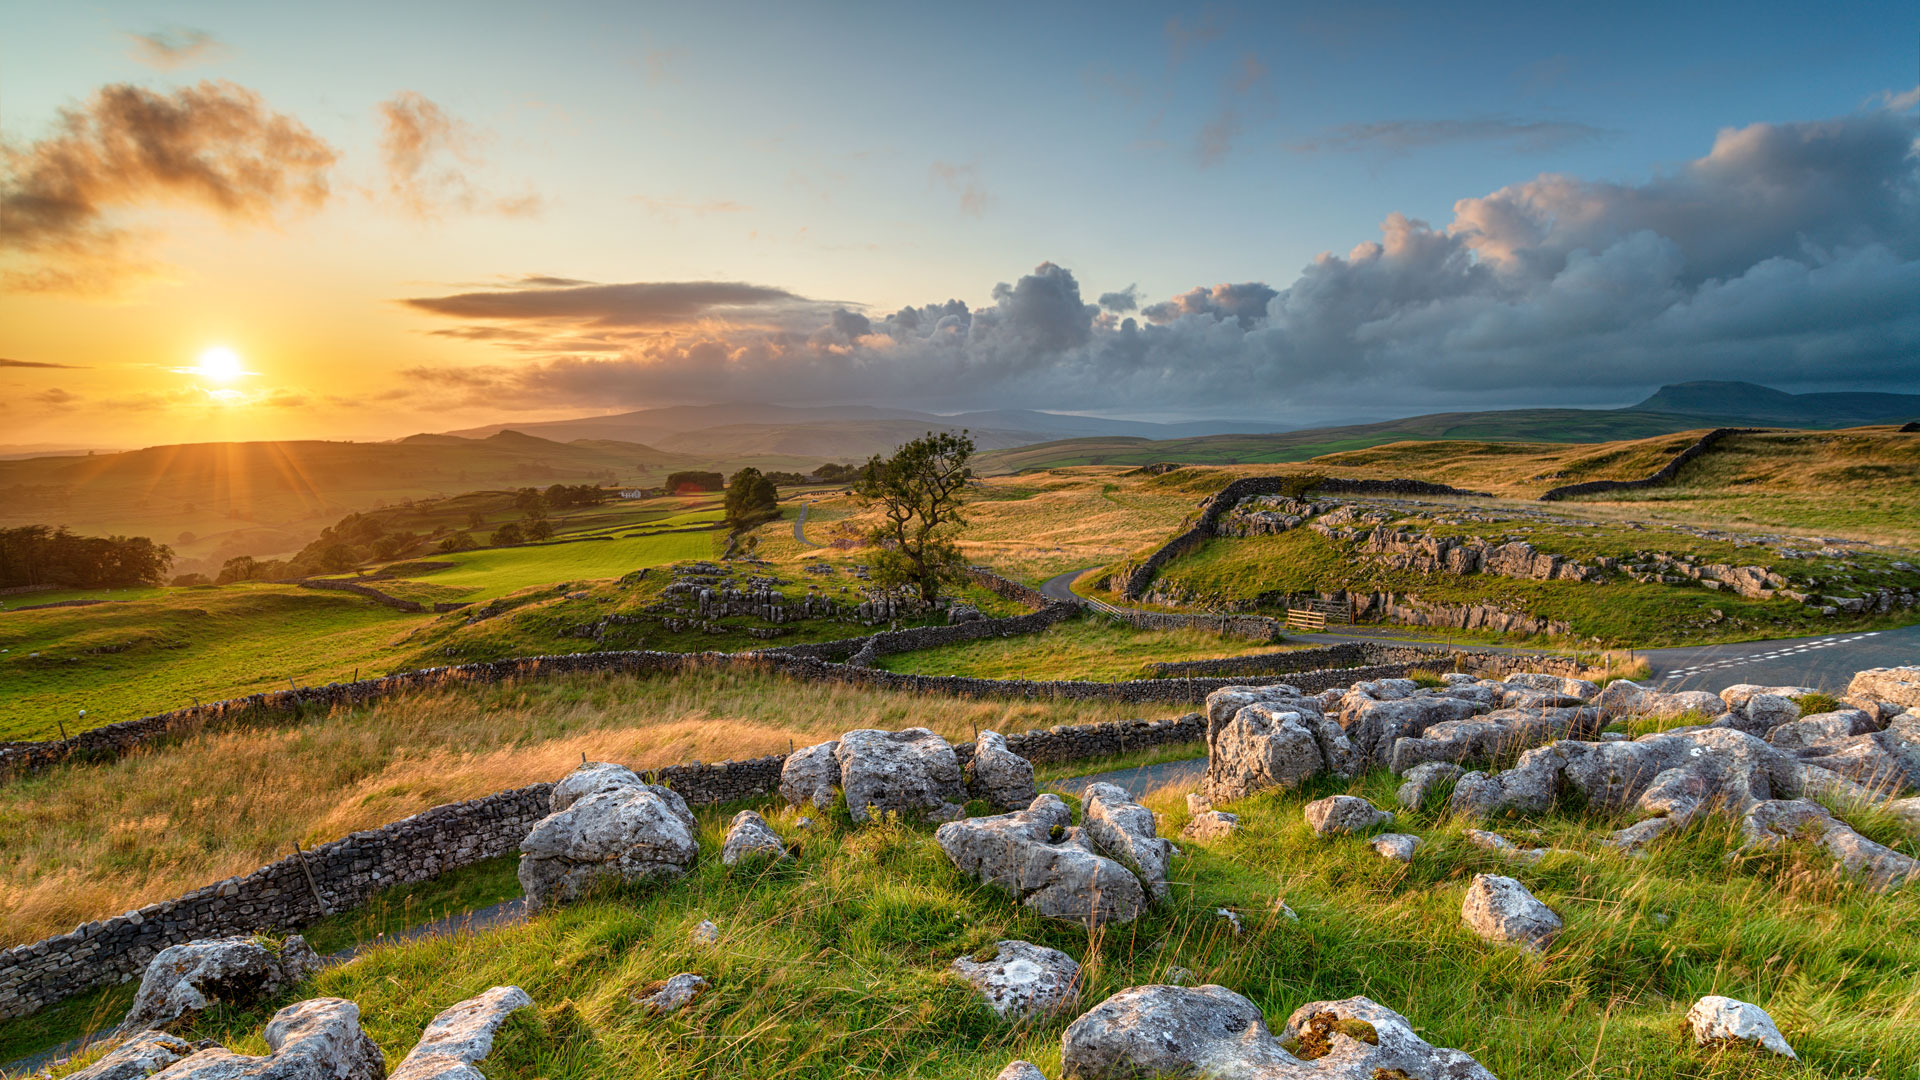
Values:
[(1665, 476)]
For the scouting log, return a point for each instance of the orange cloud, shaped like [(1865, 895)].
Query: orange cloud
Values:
[(428, 153)]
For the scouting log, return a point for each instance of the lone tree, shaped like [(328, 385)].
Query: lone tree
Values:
[(751, 499), (919, 490)]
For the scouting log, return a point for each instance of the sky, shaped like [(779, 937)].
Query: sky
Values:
[(227, 221)]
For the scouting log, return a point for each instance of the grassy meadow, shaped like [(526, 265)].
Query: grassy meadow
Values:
[(85, 841), (1094, 648), (834, 964)]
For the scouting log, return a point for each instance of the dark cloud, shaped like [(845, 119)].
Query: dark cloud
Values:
[(429, 155), (175, 47), (214, 146), (1398, 136), (57, 399), (4, 362), (1789, 254), (1245, 304), (1127, 299)]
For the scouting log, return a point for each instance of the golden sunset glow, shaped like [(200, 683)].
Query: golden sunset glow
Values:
[(220, 364)]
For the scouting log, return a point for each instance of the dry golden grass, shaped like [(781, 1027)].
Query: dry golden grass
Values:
[(87, 842)]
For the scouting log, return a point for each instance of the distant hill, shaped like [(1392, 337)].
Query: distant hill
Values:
[(1753, 402), (1679, 407), (748, 429), (266, 498)]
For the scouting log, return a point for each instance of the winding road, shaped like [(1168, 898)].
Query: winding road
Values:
[(1824, 661)]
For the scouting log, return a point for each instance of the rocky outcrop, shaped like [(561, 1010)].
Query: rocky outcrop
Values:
[(997, 775), (461, 1036), (1398, 847), (1899, 685), (1020, 980), (1125, 831), (1420, 781), (1625, 698), (1501, 910), (319, 1039), (912, 773), (184, 980), (1493, 736), (138, 1057), (670, 995), (809, 776), (1206, 823), (606, 826), (1340, 815), (1270, 736), (1046, 863), (1715, 1020), (749, 836), (1780, 821), (1210, 1031)]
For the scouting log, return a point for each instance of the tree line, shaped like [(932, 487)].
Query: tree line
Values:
[(44, 555)]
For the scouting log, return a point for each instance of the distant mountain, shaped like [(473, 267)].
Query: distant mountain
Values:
[(1753, 402), (840, 431)]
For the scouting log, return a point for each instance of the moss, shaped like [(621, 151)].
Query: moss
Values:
[(1056, 834), (1817, 703), (1315, 1040), (1392, 1074)]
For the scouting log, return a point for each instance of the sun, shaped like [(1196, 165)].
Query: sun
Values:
[(220, 364)]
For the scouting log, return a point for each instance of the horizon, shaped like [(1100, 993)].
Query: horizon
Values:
[(517, 218)]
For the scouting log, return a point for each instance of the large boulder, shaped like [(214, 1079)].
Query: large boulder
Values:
[(1019, 979), (318, 1039), (1672, 777), (1270, 736), (1501, 909), (138, 1057), (184, 980), (913, 773), (619, 829), (1716, 1020), (1048, 865), (1899, 685), (1554, 684), (810, 775), (999, 776), (1780, 821), (1210, 1031), (1124, 831), (1373, 725), (1420, 781), (1624, 698), (749, 836), (1886, 763), (1338, 815), (1493, 735), (461, 1036)]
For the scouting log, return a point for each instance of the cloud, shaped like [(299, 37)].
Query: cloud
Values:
[(429, 153), (215, 147), (674, 209), (1787, 254), (1400, 136), (964, 180), (57, 399), (5, 362), (1127, 299), (176, 47)]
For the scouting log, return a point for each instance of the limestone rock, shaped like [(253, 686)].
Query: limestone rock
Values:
[(1210, 1031), (1493, 841), (1123, 830), (1048, 865), (183, 980), (137, 1058), (912, 773), (705, 933), (1212, 825), (1418, 782), (1828, 727), (1021, 1070), (317, 1039), (810, 775), (1374, 725), (591, 777), (1493, 735), (1554, 684), (1396, 846), (1338, 815), (1900, 685), (748, 836), (1716, 1019), (1501, 909), (1263, 746), (670, 995), (457, 1039), (1624, 698), (1783, 820), (998, 775), (1021, 980), (622, 830)]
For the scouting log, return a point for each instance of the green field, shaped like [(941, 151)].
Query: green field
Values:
[(494, 572), (1088, 649), (834, 964)]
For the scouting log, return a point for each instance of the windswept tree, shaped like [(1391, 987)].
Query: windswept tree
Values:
[(918, 490), (751, 499)]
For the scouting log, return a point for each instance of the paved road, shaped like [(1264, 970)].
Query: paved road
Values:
[(800, 526), (1826, 661), (1140, 779)]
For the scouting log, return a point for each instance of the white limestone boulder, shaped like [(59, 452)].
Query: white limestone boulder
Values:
[(455, 1041), (913, 773), (317, 1039), (670, 995), (1899, 685), (1124, 831), (999, 776), (620, 830), (1020, 980), (810, 775), (749, 836), (1501, 910), (1397, 847), (1046, 863), (138, 1057), (1716, 1020), (184, 980), (1340, 815)]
